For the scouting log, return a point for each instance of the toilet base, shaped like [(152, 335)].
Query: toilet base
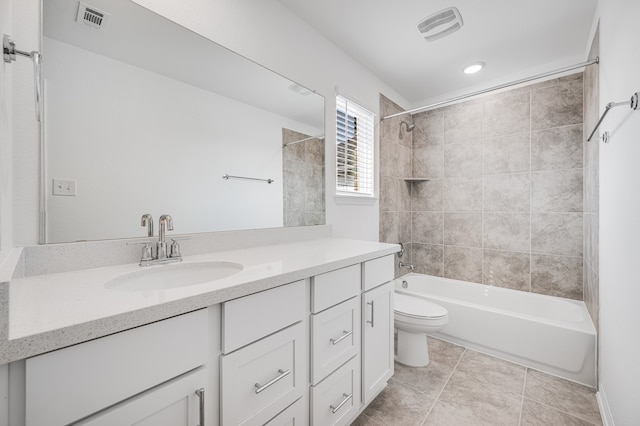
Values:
[(412, 349)]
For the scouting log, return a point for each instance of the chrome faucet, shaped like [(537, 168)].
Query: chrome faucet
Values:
[(400, 254), (165, 223), (161, 256), (405, 265), (147, 220)]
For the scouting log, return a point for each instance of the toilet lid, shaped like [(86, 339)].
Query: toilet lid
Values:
[(417, 307)]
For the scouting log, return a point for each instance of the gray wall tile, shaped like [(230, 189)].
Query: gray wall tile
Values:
[(464, 159), (428, 162), (506, 269), (463, 123), (506, 231), (463, 194), (427, 227), (507, 154), (463, 263), (557, 276), (556, 191), (427, 259), (560, 105), (429, 130), (506, 193), (395, 227), (463, 229), (557, 148), (506, 115), (556, 233), (427, 195)]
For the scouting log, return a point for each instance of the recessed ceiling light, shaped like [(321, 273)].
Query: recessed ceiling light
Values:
[(474, 68)]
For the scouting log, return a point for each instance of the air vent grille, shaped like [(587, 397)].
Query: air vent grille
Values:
[(440, 24), (91, 16)]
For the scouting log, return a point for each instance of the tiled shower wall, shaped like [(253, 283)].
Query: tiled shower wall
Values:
[(503, 204), (591, 186), (303, 179)]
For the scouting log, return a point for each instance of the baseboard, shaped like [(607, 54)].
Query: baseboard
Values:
[(603, 405)]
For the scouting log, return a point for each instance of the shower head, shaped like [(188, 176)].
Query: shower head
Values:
[(408, 127)]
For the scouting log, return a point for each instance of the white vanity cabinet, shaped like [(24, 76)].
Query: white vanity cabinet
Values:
[(377, 326), (74, 383), (335, 348), (264, 367)]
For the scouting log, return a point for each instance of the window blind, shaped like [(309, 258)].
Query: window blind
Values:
[(354, 148)]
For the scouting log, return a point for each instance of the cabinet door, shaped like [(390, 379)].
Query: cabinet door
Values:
[(377, 349), (175, 403)]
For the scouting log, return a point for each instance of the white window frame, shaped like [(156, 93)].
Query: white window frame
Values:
[(354, 131)]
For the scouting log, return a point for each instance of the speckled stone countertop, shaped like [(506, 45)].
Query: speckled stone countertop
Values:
[(48, 312)]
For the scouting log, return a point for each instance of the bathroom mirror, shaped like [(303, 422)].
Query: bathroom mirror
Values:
[(144, 116)]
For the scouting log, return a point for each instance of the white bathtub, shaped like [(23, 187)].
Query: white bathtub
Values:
[(547, 333)]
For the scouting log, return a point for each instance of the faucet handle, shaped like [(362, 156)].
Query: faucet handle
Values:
[(147, 251), (175, 247)]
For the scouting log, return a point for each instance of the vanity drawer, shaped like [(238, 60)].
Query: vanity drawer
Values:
[(335, 337), (293, 415), (336, 400), (262, 379), (333, 287), (377, 271), (250, 318), (68, 384)]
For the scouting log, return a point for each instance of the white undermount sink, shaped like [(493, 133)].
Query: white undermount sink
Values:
[(163, 277)]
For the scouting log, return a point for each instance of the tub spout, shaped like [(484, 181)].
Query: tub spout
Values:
[(405, 265)]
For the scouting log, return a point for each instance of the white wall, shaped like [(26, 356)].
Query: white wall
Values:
[(26, 131), (156, 145), (6, 234), (619, 364)]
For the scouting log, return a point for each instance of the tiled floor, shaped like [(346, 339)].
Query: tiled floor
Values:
[(461, 387)]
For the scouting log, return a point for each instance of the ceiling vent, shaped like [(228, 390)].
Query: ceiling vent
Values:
[(91, 16), (440, 24)]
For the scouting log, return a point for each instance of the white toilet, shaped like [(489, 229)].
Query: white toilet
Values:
[(414, 317)]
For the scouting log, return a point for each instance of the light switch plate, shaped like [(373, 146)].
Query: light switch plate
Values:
[(64, 187)]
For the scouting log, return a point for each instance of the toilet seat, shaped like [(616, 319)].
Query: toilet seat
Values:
[(417, 308)]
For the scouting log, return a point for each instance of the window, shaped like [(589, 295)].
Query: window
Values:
[(354, 149)]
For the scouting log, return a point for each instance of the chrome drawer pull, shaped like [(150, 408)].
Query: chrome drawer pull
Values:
[(371, 322), (346, 399), (283, 374), (340, 339), (200, 393)]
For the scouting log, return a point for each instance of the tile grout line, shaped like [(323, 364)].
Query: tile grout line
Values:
[(444, 386), (524, 387), (562, 411)]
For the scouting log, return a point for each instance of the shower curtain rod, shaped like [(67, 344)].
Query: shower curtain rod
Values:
[(491, 89)]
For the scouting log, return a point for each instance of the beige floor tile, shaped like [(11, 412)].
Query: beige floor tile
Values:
[(429, 380), (447, 415), (485, 402), (537, 414), (399, 405), (569, 397), (364, 420), (507, 375), (444, 352)]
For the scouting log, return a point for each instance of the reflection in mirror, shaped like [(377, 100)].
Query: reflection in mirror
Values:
[(144, 116), (303, 158)]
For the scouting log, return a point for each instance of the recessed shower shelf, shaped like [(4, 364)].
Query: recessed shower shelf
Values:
[(416, 179)]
